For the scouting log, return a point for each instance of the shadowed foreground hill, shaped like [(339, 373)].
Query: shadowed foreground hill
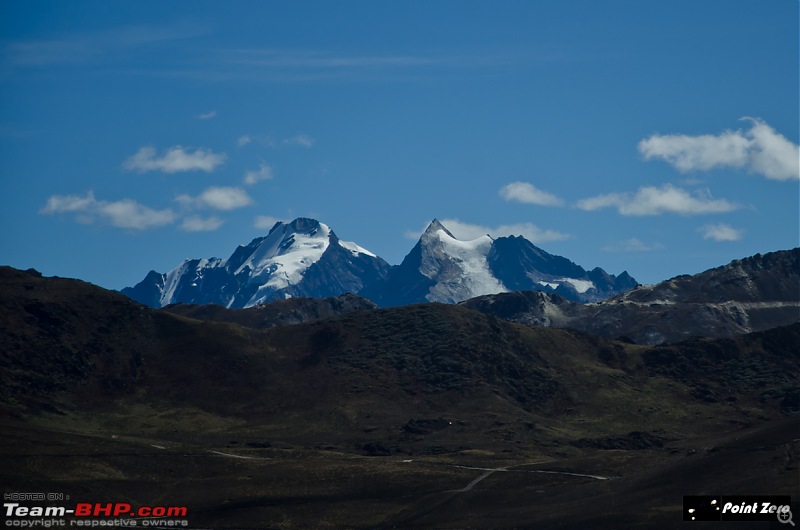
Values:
[(144, 405), (277, 313)]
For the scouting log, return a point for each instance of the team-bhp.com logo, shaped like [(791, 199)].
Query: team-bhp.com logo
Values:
[(118, 514), (85, 509), (738, 508)]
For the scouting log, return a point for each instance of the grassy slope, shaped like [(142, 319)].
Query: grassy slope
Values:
[(102, 397)]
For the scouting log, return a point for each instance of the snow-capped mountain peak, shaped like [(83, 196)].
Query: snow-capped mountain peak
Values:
[(434, 228), (443, 268), (306, 258), (300, 258), (460, 269), (286, 253), (191, 272)]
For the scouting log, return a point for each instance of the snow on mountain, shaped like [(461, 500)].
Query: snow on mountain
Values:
[(459, 269), (748, 295), (522, 266), (190, 268), (284, 256), (301, 258), (355, 249), (580, 285), (306, 258), (442, 268)]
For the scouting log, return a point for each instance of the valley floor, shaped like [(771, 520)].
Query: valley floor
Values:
[(233, 481)]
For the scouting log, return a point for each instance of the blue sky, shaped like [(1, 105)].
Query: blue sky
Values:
[(654, 137)]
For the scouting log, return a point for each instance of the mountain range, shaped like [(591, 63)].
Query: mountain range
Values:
[(751, 294), (421, 416), (306, 258), (442, 268), (510, 408), (301, 258)]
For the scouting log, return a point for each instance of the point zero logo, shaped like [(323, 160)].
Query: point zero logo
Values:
[(737, 508)]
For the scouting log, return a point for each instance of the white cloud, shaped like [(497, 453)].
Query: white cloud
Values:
[(207, 115), (650, 200), (68, 204), (720, 232), (94, 46), (302, 140), (759, 150), (691, 181), (218, 198), (703, 152), (130, 214), (195, 223), (632, 245), (174, 160), (469, 231), (125, 213), (772, 154), (264, 172), (529, 194), (265, 222), (225, 198)]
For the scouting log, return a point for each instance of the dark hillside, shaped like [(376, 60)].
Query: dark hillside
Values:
[(278, 313), (382, 418), (753, 294)]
